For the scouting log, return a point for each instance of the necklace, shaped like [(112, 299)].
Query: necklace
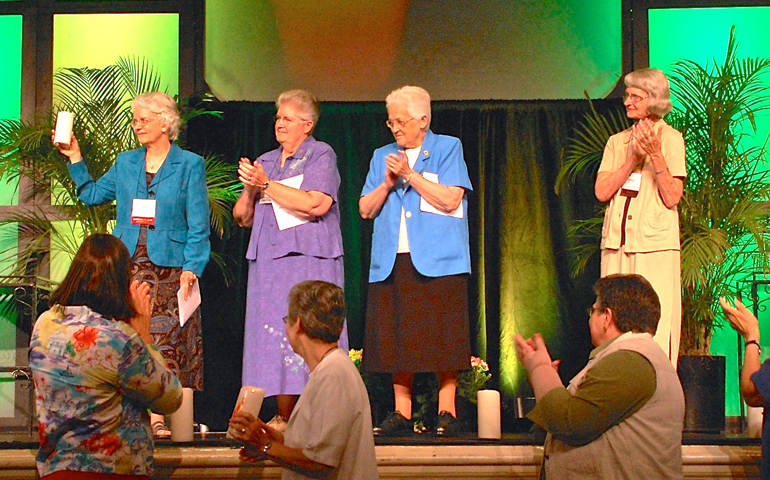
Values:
[(152, 163), (327, 353), (153, 166)]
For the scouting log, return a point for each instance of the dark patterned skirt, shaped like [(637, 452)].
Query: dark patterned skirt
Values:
[(416, 323), (181, 347)]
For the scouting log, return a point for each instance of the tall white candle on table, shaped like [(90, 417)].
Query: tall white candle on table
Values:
[(489, 414), (181, 421)]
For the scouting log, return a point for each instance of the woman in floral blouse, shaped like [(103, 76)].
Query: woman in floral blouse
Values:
[(96, 371)]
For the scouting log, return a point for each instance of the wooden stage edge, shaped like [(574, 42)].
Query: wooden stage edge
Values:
[(407, 462)]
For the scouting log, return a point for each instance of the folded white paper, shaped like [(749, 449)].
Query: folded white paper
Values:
[(428, 208), (284, 217), (187, 306)]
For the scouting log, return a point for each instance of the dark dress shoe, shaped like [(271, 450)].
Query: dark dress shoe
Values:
[(395, 425), (447, 425)]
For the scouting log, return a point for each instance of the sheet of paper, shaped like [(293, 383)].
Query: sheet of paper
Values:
[(284, 217), (187, 306), (428, 208)]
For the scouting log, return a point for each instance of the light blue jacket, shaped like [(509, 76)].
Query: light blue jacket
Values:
[(180, 237), (438, 244)]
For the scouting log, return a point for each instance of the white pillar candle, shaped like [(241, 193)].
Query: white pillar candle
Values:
[(249, 401), (489, 414), (754, 421), (63, 133), (181, 421)]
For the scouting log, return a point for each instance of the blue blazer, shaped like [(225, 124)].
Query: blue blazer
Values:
[(439, 245), (180, 237)]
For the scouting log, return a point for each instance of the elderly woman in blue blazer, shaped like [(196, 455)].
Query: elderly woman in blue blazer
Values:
[(163, 219), (417, 308)]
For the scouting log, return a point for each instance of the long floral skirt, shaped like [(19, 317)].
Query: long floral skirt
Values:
[(181, 347)]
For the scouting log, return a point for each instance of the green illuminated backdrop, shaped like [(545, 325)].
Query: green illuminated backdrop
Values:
[(10, 107), (700, 34)]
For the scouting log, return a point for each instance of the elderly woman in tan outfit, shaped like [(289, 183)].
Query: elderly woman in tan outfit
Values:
[(642, 177)]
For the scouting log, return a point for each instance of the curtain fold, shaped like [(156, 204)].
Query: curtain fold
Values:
[(519, 246)]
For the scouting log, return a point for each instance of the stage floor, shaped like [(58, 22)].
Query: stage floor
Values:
[(515, 456)]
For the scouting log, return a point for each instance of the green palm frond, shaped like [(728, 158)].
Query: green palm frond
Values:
[(583, 152), (584, 234), (224, 190), (725, 225), (138, 75), (35, 228)]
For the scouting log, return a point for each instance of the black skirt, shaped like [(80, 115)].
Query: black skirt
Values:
[(416, 323)]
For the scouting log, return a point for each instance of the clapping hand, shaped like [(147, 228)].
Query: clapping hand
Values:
[(247, 173), (532, 353), (646, 140), (140, 299), (741, 319)]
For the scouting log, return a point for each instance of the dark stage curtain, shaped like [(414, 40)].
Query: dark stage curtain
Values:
[(520, 281)]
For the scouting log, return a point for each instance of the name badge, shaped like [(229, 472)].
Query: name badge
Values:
[(631, 187), (143, 211)]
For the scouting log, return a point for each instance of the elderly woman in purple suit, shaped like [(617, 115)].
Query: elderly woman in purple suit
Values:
[(289, 200)]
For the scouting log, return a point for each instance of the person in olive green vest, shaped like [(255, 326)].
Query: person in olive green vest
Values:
[(621, 416)]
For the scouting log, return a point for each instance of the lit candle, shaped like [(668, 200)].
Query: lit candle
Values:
[(249, 401)]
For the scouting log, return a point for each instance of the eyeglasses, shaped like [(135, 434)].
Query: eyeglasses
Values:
[(141, 122), (633, 97), (288, 120), (286, 319), (397, 123), (591, 311)]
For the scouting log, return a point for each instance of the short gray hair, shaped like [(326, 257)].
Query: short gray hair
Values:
[(306, 102), (163, 105), (655, 83), (320, 308), (415, 99)]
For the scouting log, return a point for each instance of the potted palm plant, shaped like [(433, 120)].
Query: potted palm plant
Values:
[(101, 101), (724, 223)]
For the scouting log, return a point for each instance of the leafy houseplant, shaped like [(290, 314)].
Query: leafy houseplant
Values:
[(101, 101), (724, 222)]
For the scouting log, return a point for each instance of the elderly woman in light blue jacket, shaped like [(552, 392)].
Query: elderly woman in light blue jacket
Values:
[(163, 219), (417, 310)]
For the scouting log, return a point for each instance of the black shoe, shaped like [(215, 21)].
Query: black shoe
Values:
[(395, 425), (447, 425)]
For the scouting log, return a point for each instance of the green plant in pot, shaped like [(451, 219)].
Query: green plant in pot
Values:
[(101, 101), (724, 223)]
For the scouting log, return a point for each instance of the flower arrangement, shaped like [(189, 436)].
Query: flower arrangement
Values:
[(471, 381), (356, 356)]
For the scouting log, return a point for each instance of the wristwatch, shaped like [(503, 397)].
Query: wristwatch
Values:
[(754, 342), (266, 184)]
